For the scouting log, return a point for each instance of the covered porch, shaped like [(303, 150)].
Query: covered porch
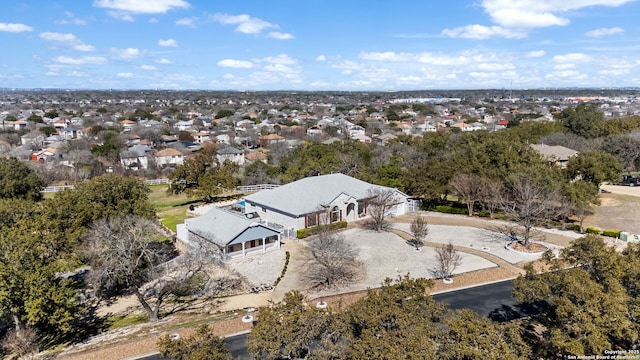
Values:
[(254, 240)]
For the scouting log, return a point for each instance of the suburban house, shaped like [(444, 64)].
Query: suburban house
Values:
[(270, 139), (230, 153), (316, 200), (169, 157), (555, 154), (135, 157), (232, 234), (255, 156)]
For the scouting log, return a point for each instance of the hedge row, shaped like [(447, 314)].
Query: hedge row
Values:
[(284, 269), (303, 233), (594, 230), (611, 233), (450, 210)]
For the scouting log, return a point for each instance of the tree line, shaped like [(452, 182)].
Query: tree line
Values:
[(60, 256)]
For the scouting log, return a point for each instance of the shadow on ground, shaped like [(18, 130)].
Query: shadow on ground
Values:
[(507, 313)]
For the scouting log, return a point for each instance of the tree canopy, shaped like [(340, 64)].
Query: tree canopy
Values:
[(583, 119), (19, 181), (204, 176)]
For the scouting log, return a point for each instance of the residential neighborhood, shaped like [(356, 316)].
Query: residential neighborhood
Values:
[(244, 203)]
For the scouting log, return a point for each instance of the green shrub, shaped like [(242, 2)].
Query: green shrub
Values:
[(450, 210), (611, 233), (553, 223), (303, 233), (593, 230), (573, 227), (501, 216), (287, 256), (484, 214)]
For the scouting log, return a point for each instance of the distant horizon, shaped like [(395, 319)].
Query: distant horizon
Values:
[(319, 45), (622, 88)]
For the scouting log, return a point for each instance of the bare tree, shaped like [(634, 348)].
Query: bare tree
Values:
[(468, 189), (380, 204), (23, 343), (128, 255), (447, 261), (528, 203), (419, 230), (490, 194), (333, 261)]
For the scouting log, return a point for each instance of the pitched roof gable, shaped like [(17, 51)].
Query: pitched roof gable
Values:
[(306, 195), (220, 226)]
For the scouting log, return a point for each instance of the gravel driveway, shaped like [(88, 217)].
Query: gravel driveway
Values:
[(386, 255)]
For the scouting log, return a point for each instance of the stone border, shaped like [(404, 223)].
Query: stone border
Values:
[(538, 253)]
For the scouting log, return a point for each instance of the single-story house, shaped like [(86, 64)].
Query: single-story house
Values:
[(555, 154), (317, 200), (232, 234)]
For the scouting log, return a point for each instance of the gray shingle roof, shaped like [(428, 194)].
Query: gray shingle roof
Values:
[(555, 152), (223, 227), (306, 195)]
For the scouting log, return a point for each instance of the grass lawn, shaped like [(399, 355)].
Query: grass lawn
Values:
[(171, 209)]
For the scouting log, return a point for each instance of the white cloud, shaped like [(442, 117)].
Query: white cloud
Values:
[(481, 75), (142, 7), (481, 32), (71, 19), (571, 58), (67, 40), (613, 72), (491, 67), (8, 27), (514, 18), (168, 42), (280, 59), (189, 22), (77, 74), (238, 64), (278, 68), (567, 66), (567, 74), (279, 35), (538, 13), (385, 56), (148, 67), (163, 61), (125, 75), (534, 54), (246, 24), (321, 58), (126, 54), (597, 33), (80, 61), (121, 15)]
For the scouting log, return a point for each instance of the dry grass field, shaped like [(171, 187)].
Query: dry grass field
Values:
[(619, 209)]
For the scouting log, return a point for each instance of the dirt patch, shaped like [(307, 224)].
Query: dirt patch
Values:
[(530, 248), (618, 212)]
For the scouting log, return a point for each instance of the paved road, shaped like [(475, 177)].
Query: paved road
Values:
[(494, 301)]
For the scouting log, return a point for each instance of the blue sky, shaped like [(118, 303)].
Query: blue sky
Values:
[(319, 44)]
